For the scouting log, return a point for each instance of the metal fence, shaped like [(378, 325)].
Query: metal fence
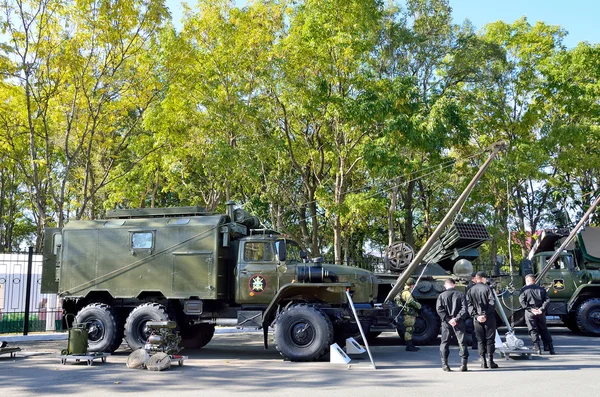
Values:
[(23, 307)]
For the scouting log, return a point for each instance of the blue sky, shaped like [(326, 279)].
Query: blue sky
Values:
[(578, 17)]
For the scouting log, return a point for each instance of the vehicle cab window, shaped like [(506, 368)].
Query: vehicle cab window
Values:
[(292, 250), (258, 251)]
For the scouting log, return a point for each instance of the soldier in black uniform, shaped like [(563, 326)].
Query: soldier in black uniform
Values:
[(451, 306), (469, 285), (535, 300), (481, 304)]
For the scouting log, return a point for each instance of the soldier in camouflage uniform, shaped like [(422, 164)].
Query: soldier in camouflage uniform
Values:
[(410, 308)]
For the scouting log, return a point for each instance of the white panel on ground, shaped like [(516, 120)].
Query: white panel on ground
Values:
[(337, 355), (353, 347), (498, 341)]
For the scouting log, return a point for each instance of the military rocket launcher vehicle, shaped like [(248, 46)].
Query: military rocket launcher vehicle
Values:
[(572, 281), (200, 270), (449, 256)]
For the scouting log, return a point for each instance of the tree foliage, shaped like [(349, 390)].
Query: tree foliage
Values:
[(346, 125)]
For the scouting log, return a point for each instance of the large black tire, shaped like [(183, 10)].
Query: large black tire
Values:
[(426, 329), (104, 334), (372, 335), (570, 322), (303, 333), (588, 317), (196, 336), (136, 333)]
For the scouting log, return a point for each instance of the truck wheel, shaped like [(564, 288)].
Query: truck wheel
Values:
[(372, 335), (136, 333), (196, 336), (570, 322), (103, 334), (588, 317), (303, 333), (426, 329)]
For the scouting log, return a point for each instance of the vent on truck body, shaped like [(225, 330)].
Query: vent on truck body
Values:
[(155, 212)]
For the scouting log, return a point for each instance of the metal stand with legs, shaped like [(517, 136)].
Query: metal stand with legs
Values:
[(360, 328)]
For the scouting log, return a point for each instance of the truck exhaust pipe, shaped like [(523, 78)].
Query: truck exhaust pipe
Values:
[(215, 321)]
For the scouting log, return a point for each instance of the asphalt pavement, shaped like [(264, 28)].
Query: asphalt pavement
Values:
[(236, 364)]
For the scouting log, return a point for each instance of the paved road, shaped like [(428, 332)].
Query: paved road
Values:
[(237, 364)]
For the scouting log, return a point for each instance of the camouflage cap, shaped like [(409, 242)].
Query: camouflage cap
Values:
[(410, 281)]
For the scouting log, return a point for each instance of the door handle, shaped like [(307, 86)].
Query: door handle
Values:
[(244, 272)]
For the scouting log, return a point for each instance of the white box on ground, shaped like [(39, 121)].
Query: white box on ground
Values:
[(337, 355), (353, 347)]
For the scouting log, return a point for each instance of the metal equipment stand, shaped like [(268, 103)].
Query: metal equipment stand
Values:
[(89, 358), (10, 350), (176, 358), (362, 332)]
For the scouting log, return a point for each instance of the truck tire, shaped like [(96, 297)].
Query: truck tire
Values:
[(303, 333), (426, 329), (588, 317), (135, 326), (196, 336), (104, 334), (570, 322), (372, 335)]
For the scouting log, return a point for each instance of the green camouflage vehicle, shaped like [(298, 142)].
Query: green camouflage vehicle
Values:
[(200, 270), (573, 282)]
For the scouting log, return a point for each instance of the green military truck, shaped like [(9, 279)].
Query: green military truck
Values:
[(200, 270), (573, 281)]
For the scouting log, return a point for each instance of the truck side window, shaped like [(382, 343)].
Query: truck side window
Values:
[(258, 252), (142, 240)]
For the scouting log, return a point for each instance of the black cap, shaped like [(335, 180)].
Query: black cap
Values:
[(481, 274), (473, 274), (451, 280)]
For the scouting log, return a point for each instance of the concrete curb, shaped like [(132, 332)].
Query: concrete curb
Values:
[(34, 337), (63, 335)]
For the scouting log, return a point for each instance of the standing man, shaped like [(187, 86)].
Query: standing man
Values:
[(535, 300), (481, 303), (410, 307), (451, 306), (469, 285)]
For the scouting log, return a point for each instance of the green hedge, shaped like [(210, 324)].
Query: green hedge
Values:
[(11, 323)]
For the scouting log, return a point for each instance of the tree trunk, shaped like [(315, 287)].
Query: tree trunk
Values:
[(391, 214), (312, 208), (408, 214)]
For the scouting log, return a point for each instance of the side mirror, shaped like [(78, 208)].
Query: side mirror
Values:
[(281, 250), (303, 255)]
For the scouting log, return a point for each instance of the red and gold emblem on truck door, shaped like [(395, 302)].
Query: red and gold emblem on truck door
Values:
[(257, 284)]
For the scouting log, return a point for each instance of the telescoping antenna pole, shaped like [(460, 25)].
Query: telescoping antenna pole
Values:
[(496, 147), (567, 241)]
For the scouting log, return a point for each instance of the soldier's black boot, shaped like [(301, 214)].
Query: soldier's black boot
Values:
[(536, 347), (483, 362), (410, 346), (491, 361), (463, 365), (551, 348), (445, 365)]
